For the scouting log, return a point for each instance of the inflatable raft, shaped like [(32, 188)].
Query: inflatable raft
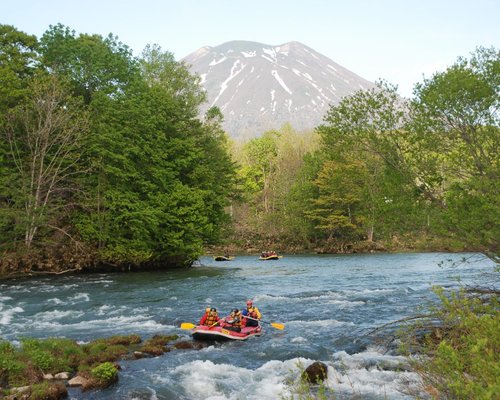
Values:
[(204, 332), (271, 257), (223, 258)]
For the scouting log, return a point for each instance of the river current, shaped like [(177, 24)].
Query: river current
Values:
[(327, 303)]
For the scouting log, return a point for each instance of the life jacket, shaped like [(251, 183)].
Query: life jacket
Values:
[(212, 318), (253, 312), (237, 320)]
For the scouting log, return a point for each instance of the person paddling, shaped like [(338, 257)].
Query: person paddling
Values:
[(253, 312), (210, 317)]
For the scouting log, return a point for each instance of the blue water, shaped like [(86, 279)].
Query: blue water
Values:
[(327, 303)]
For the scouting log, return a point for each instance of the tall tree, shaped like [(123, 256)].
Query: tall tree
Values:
[(457, 122), (92, 63), (162, 177), (45, 138)]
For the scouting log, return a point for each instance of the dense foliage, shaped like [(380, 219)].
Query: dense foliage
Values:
[(104, 158), (420, 173)]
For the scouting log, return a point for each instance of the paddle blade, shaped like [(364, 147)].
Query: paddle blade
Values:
[(278, 325), (187, 325)]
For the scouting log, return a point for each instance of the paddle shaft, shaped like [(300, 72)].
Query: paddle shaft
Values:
[(273, 324)]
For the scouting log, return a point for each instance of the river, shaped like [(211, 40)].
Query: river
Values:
[(327, 303)]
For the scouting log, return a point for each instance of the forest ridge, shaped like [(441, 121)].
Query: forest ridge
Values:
[(107, 164)]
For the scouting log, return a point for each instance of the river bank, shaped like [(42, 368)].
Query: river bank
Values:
[(398, 244), (61, 261)]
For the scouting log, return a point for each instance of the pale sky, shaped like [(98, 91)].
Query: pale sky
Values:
[(397, 40)]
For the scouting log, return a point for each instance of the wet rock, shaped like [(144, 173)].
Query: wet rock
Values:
[(25, 396), (22, 389), (77, 381), (315, 373), (184, 345), (62, 375), (153, 350)]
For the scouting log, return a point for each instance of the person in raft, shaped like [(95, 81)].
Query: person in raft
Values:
[(234, 321), (210, 317), (252, 312)]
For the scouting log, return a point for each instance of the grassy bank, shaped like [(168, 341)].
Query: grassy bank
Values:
[(35, 367)]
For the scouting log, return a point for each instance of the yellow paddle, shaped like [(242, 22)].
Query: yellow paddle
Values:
[(189, 325), (276, 325)]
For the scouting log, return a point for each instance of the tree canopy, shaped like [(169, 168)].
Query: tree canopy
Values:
[(106, 155)]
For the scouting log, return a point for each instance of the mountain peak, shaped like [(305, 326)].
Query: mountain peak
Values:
[(260, 87)]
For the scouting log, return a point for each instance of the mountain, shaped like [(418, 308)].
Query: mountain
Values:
[(260, 87)]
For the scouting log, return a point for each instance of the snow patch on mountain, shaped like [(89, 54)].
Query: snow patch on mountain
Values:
[(260, 87), (214, 62), (280, 81)]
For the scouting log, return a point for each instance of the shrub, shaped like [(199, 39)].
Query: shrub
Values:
[(462, 360), (48, 391), (104, 375)]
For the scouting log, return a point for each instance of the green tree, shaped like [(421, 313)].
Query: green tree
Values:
[(162, 177), (370, 129), (92, 63), (456, 123), (45, 137), (335, 210), (18, 62)]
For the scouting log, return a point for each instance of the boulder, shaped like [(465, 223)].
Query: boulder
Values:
[(77, 381), (62, 375), (315, 373), (48, 377)]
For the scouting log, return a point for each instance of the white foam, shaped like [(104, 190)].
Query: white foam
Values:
[(7, 314), (347, 374), (207, 380), (57, 314), (371, 372), (299, 339), (324, 323), (79, 298), (346, 303), (56, 301), (114, 324)]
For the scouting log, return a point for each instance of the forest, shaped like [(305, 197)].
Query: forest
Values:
[(106, 163)]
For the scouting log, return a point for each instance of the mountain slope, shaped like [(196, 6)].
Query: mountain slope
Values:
[(260, 87)]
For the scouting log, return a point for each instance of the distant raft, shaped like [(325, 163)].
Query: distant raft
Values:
[(269, 255), (223, 258)]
